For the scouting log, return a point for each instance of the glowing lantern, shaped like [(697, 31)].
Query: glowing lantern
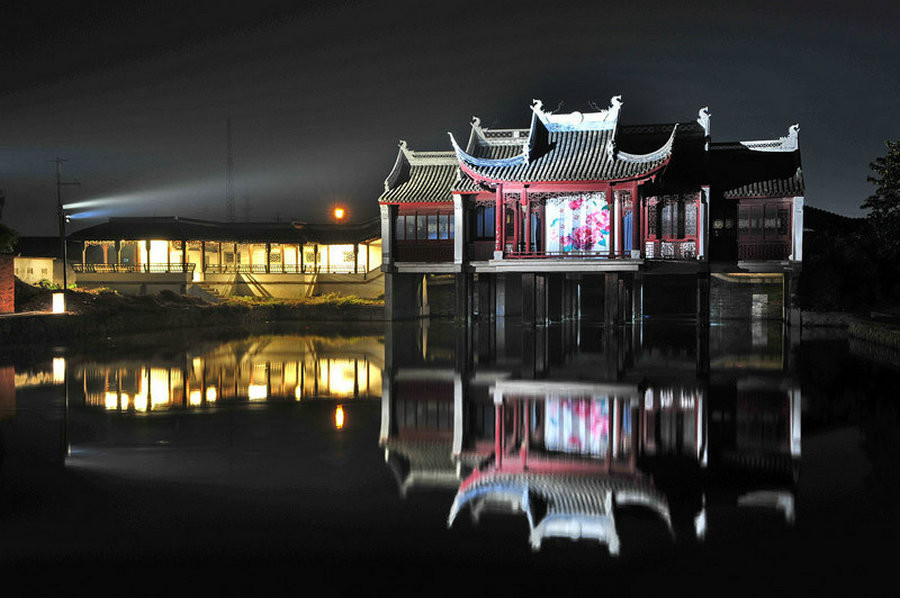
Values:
[(339, 417), (59, 303), (339, 213)]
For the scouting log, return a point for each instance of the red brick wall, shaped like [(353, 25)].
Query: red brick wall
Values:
[(7, 284)]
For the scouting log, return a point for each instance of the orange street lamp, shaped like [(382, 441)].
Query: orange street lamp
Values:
[(339, 213)]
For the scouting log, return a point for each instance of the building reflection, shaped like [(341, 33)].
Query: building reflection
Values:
[(568, 425), (270, 368)]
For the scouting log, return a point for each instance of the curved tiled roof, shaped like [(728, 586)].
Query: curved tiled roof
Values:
[(420, 177), (557, 148), (778, 187), (173, 228), (570, 156), (465, 184)]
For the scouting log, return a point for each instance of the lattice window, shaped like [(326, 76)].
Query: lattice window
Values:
[(690, 219)]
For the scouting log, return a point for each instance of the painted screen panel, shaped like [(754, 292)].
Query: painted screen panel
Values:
[(577, 222), (577, 425)]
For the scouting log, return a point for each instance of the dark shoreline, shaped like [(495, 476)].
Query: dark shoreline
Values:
[(42, 328)]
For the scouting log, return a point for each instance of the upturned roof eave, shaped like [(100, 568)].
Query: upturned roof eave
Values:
[(480, 178)]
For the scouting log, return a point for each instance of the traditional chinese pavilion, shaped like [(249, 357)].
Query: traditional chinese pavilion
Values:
[(533, 221)]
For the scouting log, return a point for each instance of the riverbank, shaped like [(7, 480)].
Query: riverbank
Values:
[(107, 314), (878, 331)]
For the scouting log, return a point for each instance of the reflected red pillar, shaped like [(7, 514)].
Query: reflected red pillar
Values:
[(526, 434), (498, 434)]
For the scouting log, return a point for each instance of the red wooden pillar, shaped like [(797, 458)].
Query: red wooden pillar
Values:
[(620, 219), (611, 206), (517, 224), (498, 220), (527, 204), (637, 221)]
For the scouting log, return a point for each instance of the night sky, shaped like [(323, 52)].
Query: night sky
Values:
[(136, 98)]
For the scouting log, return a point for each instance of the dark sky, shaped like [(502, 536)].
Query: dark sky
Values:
[(136, 96)]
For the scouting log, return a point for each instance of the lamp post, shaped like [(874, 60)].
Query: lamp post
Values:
[(61, 214)]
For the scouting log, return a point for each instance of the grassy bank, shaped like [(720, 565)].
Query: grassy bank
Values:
[(106, 313)]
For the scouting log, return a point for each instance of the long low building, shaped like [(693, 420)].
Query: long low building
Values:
[(141, 255)]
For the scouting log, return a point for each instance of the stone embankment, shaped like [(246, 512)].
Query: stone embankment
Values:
[(874, 331)]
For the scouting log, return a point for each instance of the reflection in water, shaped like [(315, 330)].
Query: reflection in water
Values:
[(256, 369), (572, 426)]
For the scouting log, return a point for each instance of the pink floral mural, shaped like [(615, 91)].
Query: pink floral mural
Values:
[(578, 223)]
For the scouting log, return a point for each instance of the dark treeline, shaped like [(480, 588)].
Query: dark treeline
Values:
[(847, 266), (853, 264)]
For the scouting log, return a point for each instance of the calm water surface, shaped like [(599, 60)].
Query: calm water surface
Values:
[(434, 459)]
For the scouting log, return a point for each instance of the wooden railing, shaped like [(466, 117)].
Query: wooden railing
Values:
[(771, 250), (566, 255), (177, 268), (670, 250), (174, 268)]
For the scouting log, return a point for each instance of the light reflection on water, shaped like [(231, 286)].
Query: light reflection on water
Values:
[(566, 426), (577, 432), (255, 369)]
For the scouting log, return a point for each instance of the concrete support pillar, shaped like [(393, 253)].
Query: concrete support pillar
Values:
[(540, 299), (702, 351), (637, 297), (555, 297), (401, 296), (791, 303), (611, 299), (528, 298), (500, 295), (463, 297), (624, 299), (703, 298), (485, 296)]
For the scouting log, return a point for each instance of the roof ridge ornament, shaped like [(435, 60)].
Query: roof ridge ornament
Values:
[(789, 143), (404, 147), (602, 120), (703, 119)]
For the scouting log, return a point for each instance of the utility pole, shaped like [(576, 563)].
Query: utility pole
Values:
[(229, 175), (62, 218)]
